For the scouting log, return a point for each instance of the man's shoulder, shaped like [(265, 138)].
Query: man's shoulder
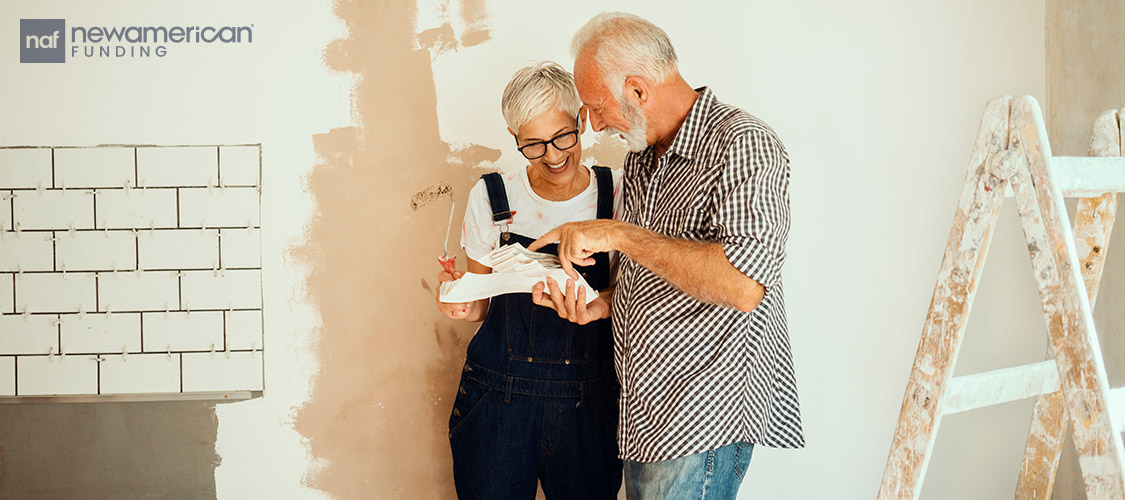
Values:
[(727, 123)]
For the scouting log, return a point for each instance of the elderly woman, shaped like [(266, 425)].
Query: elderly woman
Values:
[(537, 401)]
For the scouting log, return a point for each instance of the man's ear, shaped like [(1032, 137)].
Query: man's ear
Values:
[(637, 88)]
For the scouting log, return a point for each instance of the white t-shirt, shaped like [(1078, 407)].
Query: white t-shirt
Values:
[(534, 215)]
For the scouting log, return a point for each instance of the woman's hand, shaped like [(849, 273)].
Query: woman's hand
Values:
[(452, 309), (571, 304)]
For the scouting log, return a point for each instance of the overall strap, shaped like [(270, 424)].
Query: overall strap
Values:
[(497, 197), (605, 192)]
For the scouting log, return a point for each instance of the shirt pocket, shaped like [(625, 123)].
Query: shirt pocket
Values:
[(688, 223)]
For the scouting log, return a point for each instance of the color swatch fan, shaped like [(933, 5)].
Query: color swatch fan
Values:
[(515, 269)]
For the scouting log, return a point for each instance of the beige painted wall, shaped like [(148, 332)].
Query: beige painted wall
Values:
[(1085, 76)]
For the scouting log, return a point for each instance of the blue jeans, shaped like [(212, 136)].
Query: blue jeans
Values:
[(710, 475)]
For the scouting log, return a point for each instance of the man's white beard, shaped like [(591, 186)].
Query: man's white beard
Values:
[(635, 138)]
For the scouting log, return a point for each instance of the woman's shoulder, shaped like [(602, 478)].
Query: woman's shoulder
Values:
[(616, 173)]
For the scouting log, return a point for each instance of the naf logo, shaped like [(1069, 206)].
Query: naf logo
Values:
[(42, 40)]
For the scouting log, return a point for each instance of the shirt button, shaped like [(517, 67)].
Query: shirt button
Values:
[(530, 359), (461, 389), (456, 412), (567, 362)]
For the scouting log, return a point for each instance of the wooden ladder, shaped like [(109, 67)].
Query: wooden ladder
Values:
[(1012, 156)]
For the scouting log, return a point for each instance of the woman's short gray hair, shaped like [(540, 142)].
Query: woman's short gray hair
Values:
[(537, 89), (626, 45)]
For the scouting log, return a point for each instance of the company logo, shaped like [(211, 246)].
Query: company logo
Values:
[(45, 40), (42, 40)]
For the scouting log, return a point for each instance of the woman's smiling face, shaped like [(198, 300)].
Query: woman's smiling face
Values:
[(556, 166)]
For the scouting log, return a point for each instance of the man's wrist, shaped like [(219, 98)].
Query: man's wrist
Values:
[(622, 237)]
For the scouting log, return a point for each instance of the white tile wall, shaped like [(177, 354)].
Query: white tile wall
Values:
[(138, 291), (100, 333), (179, 249), (136, 208), (7, 376), (58, 375), (6, 221), (140, 374), (178, 166), (25, 168), (7, 294), (230, 207), (180, 331), (242, 247), (30, 251), (239, 165), (244, 330), (31, 334), (95, 250), (94, 167), (218, 372), (238, 289), (54, 209), (56, 292), (154, 202)]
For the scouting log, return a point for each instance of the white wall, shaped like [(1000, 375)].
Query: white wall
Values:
[(878, 103)]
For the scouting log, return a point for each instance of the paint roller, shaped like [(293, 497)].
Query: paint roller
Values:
[(427, 196)]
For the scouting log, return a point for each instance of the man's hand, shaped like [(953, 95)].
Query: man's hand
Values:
[(579, 241), (569, 304), (452, 310)]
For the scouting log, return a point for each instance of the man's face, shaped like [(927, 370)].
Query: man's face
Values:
[(607, 114)]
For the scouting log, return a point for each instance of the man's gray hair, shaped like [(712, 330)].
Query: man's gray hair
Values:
[(537, 89), (626, 45)]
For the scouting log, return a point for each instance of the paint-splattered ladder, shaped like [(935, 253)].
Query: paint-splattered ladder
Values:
[(1012, 156)]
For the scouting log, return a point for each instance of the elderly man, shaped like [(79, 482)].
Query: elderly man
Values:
[(701, 346)]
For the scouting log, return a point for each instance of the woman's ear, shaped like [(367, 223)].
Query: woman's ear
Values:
[(510, 132), (583, 117)]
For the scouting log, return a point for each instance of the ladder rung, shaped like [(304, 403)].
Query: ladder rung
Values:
[(970, 392), (1086, 176)]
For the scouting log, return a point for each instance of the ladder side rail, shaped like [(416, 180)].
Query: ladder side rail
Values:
[(1093, 223), (1066, 306), (969, 238)]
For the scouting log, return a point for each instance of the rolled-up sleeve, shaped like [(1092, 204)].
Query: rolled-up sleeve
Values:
[(752, 218)]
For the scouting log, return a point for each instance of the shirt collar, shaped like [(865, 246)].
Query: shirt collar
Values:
[(687, 139)]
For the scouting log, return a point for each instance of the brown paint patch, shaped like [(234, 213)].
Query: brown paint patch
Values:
[(474, 155), (475, 17), (389, 362), (438, 40), (607, 151)]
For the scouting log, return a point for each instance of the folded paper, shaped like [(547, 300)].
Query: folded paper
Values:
[(515, 269)]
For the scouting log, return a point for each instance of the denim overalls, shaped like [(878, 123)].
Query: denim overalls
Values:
[(538, 395)]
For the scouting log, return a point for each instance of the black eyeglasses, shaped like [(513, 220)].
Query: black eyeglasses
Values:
[(561, 142)]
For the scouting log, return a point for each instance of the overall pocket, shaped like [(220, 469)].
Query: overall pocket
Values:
[(471, 396)]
